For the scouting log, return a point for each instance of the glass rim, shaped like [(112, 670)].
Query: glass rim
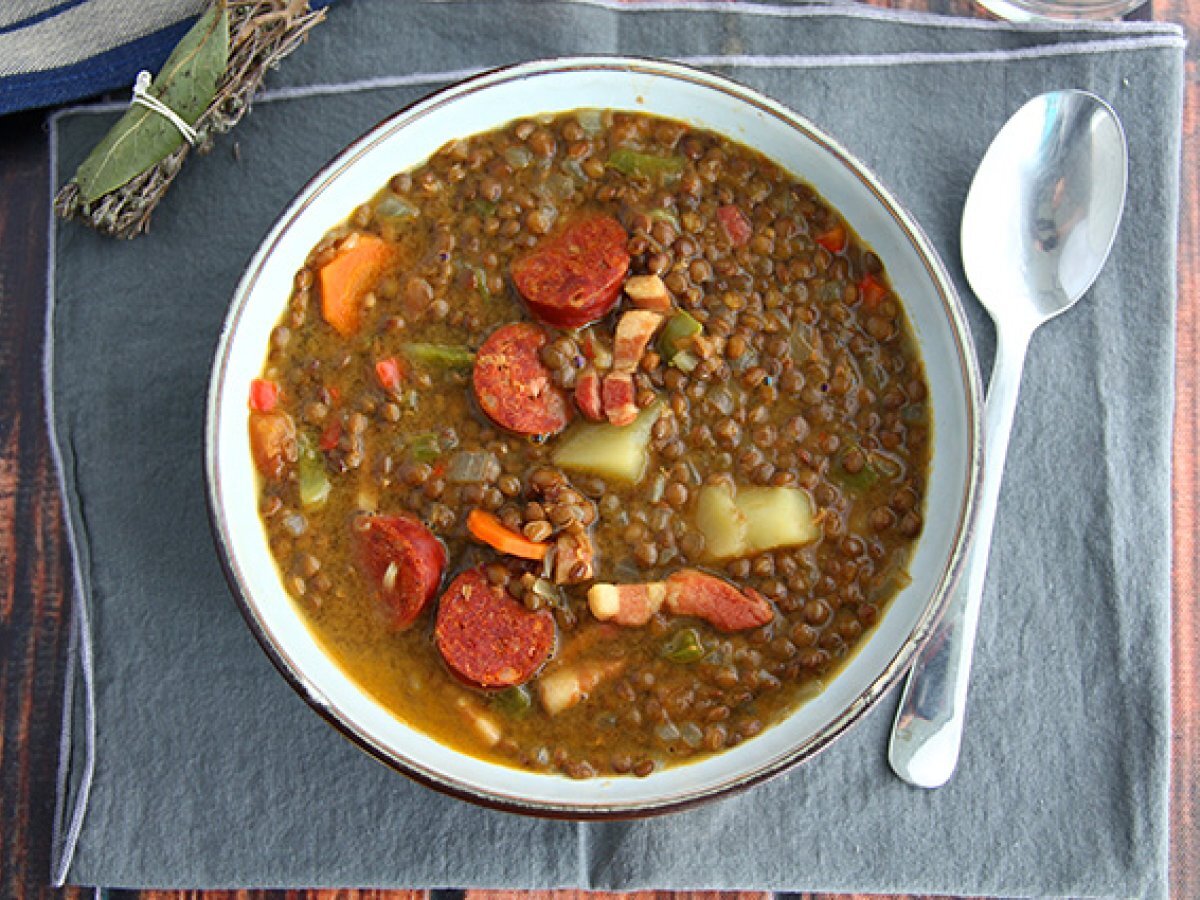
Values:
[(1059, 10)]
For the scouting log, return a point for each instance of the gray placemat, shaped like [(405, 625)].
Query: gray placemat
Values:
[(190, 763)]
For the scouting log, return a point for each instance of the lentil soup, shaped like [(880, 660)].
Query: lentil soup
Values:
[(594, 444)]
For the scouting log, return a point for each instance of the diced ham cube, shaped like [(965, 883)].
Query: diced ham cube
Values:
[(648, 292), (626, 604)]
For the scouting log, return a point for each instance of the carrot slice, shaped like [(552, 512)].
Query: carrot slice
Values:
[(490, 530), (833, 240), (348, 276)]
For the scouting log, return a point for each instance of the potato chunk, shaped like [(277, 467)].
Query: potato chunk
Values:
[(777, 517), (721, 522), (753, 520), (610, 451)]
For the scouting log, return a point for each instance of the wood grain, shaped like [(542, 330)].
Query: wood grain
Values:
[(34, 581), (1185, 694)]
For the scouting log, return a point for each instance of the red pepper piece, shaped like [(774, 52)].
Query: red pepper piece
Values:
[(264, 395), (389, 374), (735, 223), (871, 291), (833, 240), (330, 436)]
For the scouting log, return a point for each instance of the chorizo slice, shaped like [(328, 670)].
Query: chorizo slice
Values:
[(405, 560), (513, 385), (694, 593), (575, 277), (486, 637)]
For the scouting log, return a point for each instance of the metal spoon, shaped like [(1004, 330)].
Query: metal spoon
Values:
[(1038, 224)]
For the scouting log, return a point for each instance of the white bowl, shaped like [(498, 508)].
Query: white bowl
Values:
[(480, 104)]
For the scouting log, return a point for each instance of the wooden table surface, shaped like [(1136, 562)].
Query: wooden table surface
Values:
[(35, 580)]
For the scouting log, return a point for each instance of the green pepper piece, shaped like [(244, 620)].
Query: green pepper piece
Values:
[(440, 356), (630, 162), (311, 475), (514, 702), (684, 647), (480, 278), (862, 480), (395, 210), (659, 214), (680, 328), (483, 208), (425, 447)]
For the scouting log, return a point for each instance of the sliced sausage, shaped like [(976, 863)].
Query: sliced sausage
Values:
[(513, 385), (716, 601), (486, 637), (575, 276), (405, 561)]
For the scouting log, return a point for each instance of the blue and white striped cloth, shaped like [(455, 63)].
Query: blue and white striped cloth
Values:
[(54, 51)]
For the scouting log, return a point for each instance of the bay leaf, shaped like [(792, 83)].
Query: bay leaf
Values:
[(141, 138)]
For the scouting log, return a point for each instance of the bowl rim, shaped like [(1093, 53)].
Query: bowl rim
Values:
[(854, 711)]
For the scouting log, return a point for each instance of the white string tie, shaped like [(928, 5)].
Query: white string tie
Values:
[(143, 97)]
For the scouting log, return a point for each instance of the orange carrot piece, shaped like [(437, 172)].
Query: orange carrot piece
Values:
[(491, 531), (348, 276)]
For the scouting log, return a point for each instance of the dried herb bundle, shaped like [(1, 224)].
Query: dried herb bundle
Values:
[(260, 34)]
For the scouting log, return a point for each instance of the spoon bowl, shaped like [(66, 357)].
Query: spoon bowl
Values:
[(1038, 225), (1043, 210)]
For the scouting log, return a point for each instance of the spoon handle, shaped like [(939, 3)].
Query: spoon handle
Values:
[(929, 723)]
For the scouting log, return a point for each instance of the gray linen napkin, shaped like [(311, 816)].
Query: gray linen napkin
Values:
[(189, 761)]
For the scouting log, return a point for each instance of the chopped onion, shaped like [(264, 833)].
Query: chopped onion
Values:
[(548, 592), (691, 734), (556, 186), (518, 157), (395, 208), (801, 345), (721, 398), (589, 120), (667, 732), (295, 524), (574, 169), (685, 361), (473, 467), (657, 487)]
